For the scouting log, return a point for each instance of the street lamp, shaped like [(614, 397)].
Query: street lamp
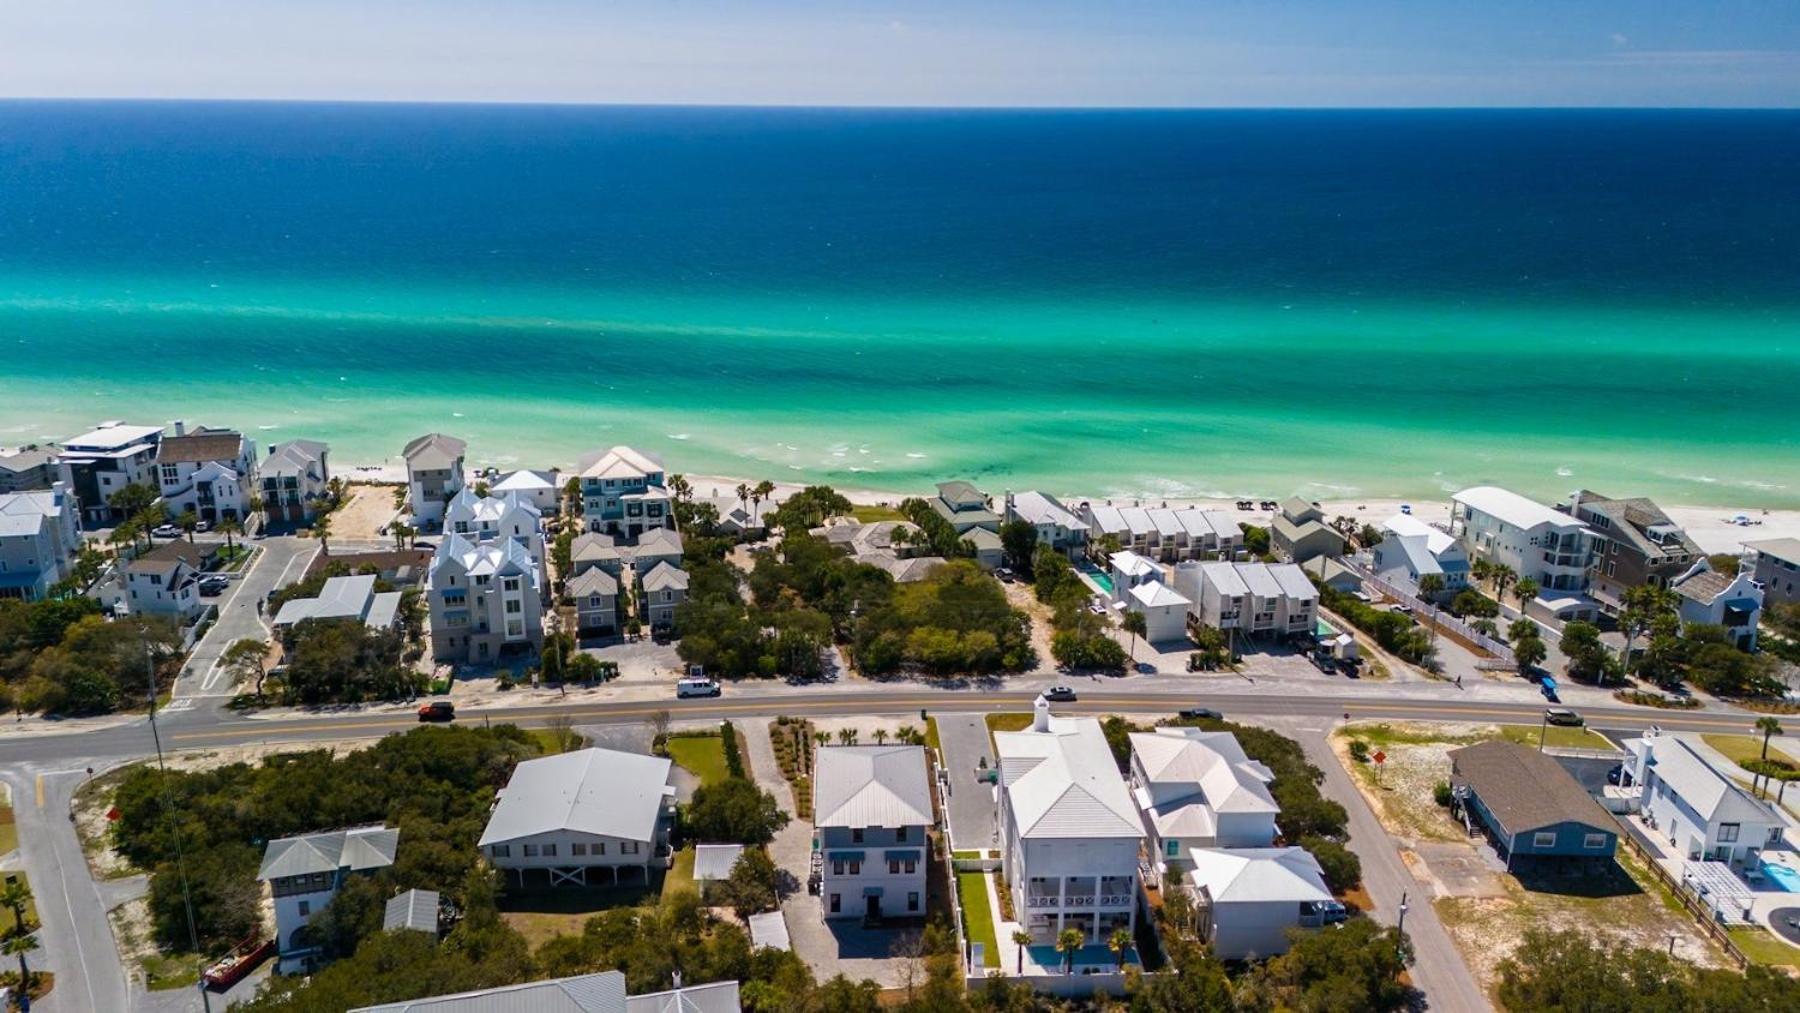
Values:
[(1543, 728), (1401, 928)]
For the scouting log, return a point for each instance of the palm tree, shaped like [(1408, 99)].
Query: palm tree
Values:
[(14, 896), (1119, 942), (1481, 570), (762, 491), (1526, 590), (1503, 576), (743, 493), (1021, 939), (1768, 726), (403, 534), (321, 530), (1134, 624), (881, 736), (1430, 586), (908, 734), (228, 527), (680, 487), (846, 736), (18, 944), (1068, 943), (188, 521)]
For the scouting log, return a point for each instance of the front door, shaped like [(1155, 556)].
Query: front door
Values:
[(874, 909)]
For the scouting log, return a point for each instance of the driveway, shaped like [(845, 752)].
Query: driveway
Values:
[(971, 805), (281, 562)]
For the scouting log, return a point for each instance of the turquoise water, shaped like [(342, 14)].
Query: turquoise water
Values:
[(1782, 876), (1104, 304)]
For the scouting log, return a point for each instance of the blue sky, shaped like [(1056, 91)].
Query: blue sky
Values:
[(922, 52)]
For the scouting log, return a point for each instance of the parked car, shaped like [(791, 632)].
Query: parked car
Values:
[(203, 525), (425, 546), (437, 710), (166, 531), (1005, 574), (697, 687), (1618, 775), (213, 586), (1563, 716), (1061, 694), (1202, 712)]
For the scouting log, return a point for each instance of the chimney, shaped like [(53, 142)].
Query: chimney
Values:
[(180, 427), (59, 492), (1040, 714)]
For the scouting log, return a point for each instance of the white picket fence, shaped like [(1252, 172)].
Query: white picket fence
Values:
[(1501, 652)]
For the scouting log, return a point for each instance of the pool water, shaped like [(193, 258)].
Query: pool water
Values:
[(1099, 577), (1782, 876)]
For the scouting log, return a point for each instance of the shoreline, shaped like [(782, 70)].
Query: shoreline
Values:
[(1710, 526)]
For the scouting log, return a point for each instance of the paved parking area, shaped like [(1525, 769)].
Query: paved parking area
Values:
[(971, 804)]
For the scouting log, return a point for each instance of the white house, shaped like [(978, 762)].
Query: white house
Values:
[(1164, 610), (1699, 811), (1197, 789), (165, 582), (484, 599), (871, 809), (1414, 549), (1128, 569), (1538, 542), (305, 872), (600, 992), (484, 519), (350, 597), (1250, 897), (1163, 533), (592, 811), (539, 488), (1056, 525), (211, 472), (295, 480), (1069, 831), (1255, 598), (1704, 595), (434, 473), (99, 463), (39, 541)]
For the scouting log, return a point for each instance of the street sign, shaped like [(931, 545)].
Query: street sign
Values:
[(1379, 757)]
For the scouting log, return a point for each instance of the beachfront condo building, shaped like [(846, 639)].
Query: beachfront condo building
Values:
[(1538, 542), (1299, 532), (39, 540), (1260, 599), (434, 474), (1635, 543), (210, 473), (99, 463), (623, 493), (295, 481), (1070, 834), (1163, 533), (486, 600)]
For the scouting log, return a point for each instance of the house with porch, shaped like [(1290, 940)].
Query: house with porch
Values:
[(1128, 569), (99, 463), (1635, 543), (661, 591), (350, 597), (1259, 599), (1538, 542), (1734, 601), (1197, 789), (1413, 550), (211, 472), (485, 600), (596, 596), (1696, 809), (40, 538), (871, 811), (1248, 898), (295, 481), (623, 492), (166, 582), (434, 474), (1070, 833), (1056, 525), (305, 872), (964, 506), (590, 817), (1529, 806)]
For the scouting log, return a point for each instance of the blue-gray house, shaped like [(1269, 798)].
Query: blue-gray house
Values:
[(1530, 806)]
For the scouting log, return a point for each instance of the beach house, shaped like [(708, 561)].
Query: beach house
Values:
[(593, 816), (600, 992), (1162, 533), (305, 872), (210, 472), (28, 468), (1069, 832), (294, 481), (623, 493), (486, 600), (1529, 805), (40, 539), (99, 463), (1247, 899), (1299, 532), (1734, 601), (1537, 542), (166, 582), (1261, 599), (1698, 810), (349, 597), (596, 596), (964, 506), (871, 811), (1056, 525), (1775, 564), (1127, 569), (662, 589), (486, 519), (434, 473), (539, 488), (1165, 611), (1634, 544), (1412, 550)]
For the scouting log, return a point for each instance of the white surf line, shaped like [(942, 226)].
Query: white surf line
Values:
[(213, 671)]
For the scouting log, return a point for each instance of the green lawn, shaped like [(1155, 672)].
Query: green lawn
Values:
[(681, 873), (1561, 736), (871, 514), (978, 917), (931, 736), (9, 832), (552, 741), (703, 755), (1763, 948), (1745, 748)]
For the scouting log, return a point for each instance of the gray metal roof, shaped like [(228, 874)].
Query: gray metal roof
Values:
[(715, 861), (355, 850), (602, 992), (595, 791), (414, 909), (871, 786)]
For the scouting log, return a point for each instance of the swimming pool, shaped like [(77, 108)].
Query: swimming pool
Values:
[(1099, 577), (1782, 876)]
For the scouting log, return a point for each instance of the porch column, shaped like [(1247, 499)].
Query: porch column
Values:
[(1062, 902)]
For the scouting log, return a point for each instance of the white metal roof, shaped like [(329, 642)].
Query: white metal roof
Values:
[(1167, 524), (1436, 539), (1514, 509), (1250, 875), (714, 861), (1063, 783), (596, 791), (871, 786), (24, 513), (1293, 581), (1224, 778), (111, 437), (1037, 508), (1156, 594), (1137, 519), (1107, 519), (1224, 577), (1711, 794), (620, 462), (414, 909), (1259, 580), (770, 929), (525, 480), (433, 452), (1134, 565)]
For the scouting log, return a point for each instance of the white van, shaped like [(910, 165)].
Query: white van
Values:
[(697, 687)]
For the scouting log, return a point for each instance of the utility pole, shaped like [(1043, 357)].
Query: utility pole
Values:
[(1401, 928), (1543, 729), (187, 900)]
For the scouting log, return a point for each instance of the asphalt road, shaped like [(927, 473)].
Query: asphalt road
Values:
[(281, 561)]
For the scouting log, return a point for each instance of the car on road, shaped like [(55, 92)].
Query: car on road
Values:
[(437, 710), (1563, 716), (1202, 712), (697, 687), (166, 531), (1061, 694)]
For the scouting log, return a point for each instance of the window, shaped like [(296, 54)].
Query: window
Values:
[(510, 583), (855, 868), (171, 473), (513, 606), (514, 628), (912, 866), (900, 833), (549, 851), (837, 867), (1594, 842), (500, 851), (531, 851), (1172, 849), (836, 904), (893, 867), (856, 835), (1728, 833), (1544, 839), (912, 901), (578, 849), (628, 847), (595, 601), (305, 908), (482, 580)]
